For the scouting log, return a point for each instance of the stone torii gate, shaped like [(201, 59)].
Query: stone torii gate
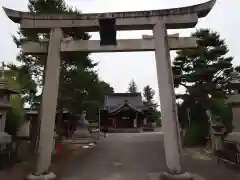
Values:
[(108, 24)]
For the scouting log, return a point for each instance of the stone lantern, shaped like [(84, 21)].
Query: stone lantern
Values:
[(5, 106), (217, 131), (234, 102)]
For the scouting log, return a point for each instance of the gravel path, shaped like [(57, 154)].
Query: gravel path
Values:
[(137, 156)]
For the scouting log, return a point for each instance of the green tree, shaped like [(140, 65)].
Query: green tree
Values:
[(224, 111), (15, 117), (132, 87), (203, 71), (47, 6), (237, 68), (78, 81), (148, 94), (25, 80)]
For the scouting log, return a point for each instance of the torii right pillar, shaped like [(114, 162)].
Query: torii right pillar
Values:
[(172, 141)]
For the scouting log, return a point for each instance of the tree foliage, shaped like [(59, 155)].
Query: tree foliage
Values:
[(203, 71), (148, 94), (78, 80), (15, 117), (23, 76), (132, 87), (47, 6), (224, 111)]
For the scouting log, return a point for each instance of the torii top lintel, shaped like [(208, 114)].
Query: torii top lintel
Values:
[(196, 11)]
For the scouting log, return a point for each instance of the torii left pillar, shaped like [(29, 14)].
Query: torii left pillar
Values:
[(48, 106)]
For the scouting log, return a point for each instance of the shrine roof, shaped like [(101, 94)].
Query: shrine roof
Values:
[(116, 100), (200, 9), (125, 106)]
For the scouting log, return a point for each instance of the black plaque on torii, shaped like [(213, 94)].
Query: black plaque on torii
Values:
[(108, 31)]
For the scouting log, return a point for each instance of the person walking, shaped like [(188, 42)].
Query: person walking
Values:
[(105, 131)]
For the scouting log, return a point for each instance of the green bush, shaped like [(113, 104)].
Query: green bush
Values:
[(15, 116), (221, 109), (194, 135)]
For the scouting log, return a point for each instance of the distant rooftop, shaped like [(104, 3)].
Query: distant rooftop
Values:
[(116, 100)]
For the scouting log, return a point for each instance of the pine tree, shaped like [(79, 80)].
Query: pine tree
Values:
[(202, 72), (148, 94), (154, 113), (47, 6), (78, 80), (132, 88)]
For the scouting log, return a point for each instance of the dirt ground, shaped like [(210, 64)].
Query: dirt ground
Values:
[(20, 170)]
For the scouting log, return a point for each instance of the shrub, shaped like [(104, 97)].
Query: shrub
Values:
[(194, 135), (15, 116), (221, 109)]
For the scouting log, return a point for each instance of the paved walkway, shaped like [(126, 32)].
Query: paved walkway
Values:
[(137, 156)]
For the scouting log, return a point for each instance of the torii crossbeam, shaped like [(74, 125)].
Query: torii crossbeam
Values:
[(124, 45)]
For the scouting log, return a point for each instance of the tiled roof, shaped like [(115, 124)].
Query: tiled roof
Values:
[(116, 100)]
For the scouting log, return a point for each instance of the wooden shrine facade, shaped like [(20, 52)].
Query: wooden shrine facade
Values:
[(123, 111)]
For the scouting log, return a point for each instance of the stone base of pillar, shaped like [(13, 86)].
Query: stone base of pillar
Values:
[(49, 176), (185, 176)]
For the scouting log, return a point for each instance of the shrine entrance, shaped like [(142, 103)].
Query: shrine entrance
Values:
[(108, 24), (126, 117)]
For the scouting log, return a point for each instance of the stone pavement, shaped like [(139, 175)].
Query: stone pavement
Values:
[(137, 156)]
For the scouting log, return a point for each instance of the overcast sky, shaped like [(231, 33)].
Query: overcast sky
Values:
[(119, 68)]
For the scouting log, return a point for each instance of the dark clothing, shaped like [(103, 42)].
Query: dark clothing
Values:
[(105, 129)]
